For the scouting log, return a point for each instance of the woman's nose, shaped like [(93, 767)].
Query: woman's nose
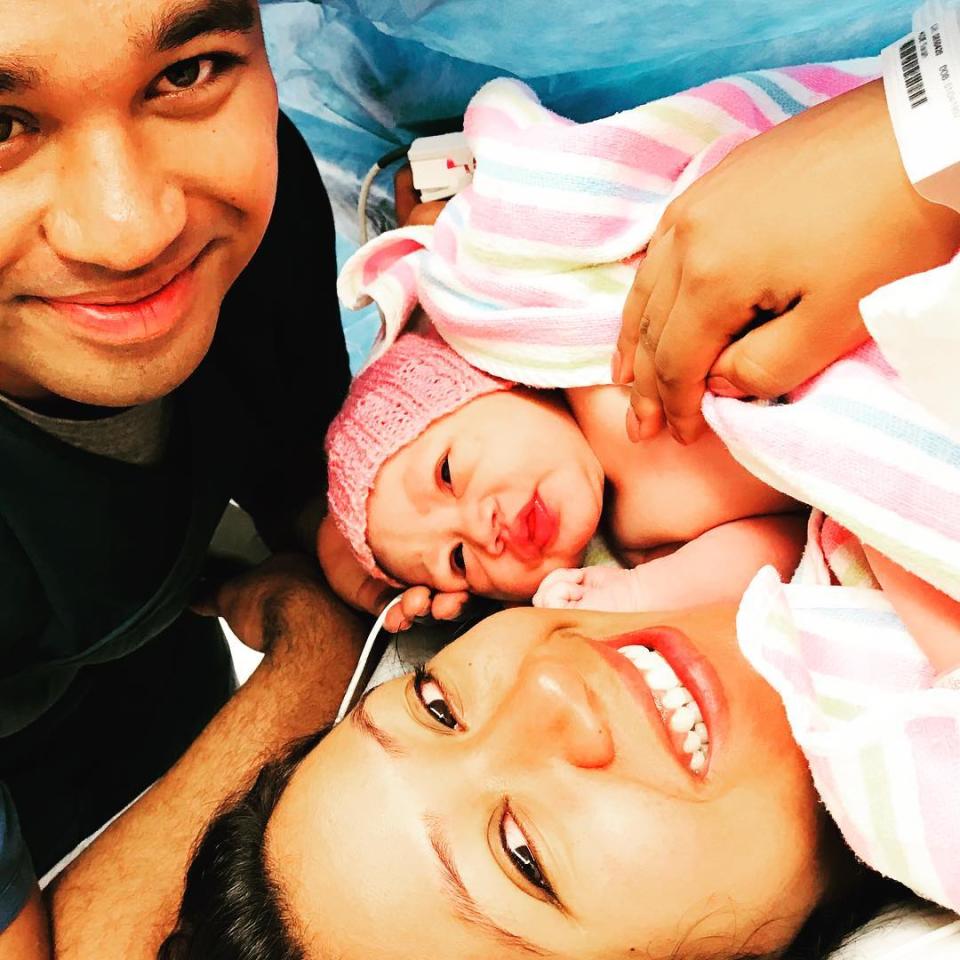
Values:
[(113, 207), (555, 712)]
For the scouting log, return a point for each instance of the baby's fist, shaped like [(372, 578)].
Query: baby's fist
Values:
[(590, 588), (419, 602)]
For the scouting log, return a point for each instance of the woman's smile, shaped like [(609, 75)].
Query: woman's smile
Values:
[(678, 689)]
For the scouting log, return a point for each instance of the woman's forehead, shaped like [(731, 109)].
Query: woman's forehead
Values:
[(358, 871)]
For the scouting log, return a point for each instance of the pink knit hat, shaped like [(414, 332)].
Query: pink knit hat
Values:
[(417, 381)]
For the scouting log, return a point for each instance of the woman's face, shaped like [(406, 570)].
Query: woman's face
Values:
[(525, 798), (488, 499)]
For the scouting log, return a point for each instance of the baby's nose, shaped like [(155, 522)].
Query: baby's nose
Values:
[(485, 526)]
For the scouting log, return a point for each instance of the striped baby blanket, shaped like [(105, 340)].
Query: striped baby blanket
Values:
[(853, 443), (881, 733), (526, 271)]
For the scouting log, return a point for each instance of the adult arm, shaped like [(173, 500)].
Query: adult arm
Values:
[(930, 616), (28, 937), (795, 225), (119, 898)]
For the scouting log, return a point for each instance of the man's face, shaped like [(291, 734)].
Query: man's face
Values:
[(137, 176)]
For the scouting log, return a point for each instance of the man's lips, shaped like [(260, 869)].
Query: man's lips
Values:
[(125, 314), (533, 529), (126, 293)]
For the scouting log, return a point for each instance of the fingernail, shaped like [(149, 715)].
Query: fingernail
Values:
[(633, 426), (722, 387), (615, 365)]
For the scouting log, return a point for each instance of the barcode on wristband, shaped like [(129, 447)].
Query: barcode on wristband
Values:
[(912, 77)]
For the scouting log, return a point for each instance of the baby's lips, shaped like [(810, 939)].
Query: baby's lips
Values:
[(519, 536), (533, 529)]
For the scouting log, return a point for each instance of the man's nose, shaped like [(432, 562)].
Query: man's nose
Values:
[(113, 207), (556, 713)]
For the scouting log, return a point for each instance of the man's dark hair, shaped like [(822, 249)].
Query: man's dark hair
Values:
[(233, 910)]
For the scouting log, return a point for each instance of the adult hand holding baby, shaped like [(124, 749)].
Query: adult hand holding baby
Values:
[(753, 276)]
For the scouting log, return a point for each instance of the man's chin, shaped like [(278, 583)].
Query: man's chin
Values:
[(132, 380)]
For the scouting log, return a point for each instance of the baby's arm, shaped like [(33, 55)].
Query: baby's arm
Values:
[(931, 617), (718, 565)]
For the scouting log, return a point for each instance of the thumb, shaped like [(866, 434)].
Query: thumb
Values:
[(781, 354), (372, 595)]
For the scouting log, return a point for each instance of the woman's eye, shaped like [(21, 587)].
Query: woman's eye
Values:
[(445, 475), (10, 128), (431, 696), (457, 561), (517, 848)]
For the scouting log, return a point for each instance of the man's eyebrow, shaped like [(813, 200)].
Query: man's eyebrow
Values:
[(17, 75), (361, 719), (463, 903), (187, 22)]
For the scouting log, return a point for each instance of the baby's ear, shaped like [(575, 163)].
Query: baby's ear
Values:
[(386, 271)]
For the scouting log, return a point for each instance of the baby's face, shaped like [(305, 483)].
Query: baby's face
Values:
[(489, 499)]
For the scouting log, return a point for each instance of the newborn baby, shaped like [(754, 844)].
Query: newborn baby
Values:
[(443, 476)]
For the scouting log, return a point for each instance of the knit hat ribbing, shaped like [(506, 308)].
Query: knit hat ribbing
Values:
[(416, 381)]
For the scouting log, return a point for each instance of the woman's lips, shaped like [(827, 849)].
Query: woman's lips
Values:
[(135, 321), (533, 530), (693, 670)]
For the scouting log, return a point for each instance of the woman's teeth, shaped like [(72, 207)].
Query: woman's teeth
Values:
[(676, 705)]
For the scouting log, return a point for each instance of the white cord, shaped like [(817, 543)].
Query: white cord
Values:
[(368, 645), (365, 186)]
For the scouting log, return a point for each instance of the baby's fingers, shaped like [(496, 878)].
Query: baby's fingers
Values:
[(414, 602), (563, 575), (560, 588), (447, 606)]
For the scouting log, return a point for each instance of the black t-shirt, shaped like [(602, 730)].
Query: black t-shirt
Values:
[(98, 556)]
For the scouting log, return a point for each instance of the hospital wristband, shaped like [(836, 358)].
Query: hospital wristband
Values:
[(921, 79)]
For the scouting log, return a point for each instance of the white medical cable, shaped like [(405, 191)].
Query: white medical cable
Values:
[(367, 183), (368, 645)]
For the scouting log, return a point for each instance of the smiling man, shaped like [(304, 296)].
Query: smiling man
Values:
[(169, 340)]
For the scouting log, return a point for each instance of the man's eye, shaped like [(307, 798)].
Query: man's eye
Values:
[(431, 696), (193, 72), (517, 848), (10, 127), (457, 562)]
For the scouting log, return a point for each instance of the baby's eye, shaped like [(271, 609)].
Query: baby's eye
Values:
[(457, 562), (445, 476), (517, 848), (432, 697)]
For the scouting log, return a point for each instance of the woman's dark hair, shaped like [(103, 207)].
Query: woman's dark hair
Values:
[(233, 910)]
